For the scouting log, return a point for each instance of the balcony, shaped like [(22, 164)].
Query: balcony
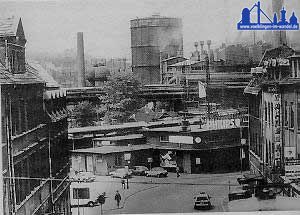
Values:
[(29, 139)]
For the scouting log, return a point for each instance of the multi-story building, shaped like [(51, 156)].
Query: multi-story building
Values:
[(34, 154), (274, 115)]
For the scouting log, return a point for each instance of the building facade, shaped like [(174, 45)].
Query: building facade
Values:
[(30, 156), (273, 115)]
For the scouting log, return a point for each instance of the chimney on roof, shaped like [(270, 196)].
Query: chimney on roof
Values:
[(80, 60)]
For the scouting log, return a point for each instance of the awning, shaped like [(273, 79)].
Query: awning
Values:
[(53, 94)]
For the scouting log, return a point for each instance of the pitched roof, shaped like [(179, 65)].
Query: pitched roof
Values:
[(19, 78), (9, 26), (40, 72), (118, 138)]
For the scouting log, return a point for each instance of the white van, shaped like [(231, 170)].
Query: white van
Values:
[(83, 194)]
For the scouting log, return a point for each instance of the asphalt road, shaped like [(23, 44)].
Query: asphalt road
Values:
[(162, 195)]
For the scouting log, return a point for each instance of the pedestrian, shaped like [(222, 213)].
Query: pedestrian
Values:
[(177, 172), (118, 198), (123, 183)]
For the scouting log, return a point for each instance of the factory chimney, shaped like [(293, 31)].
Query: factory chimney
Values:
[(279, 37), (80, 60)]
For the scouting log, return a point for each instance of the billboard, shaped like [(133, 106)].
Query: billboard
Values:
[(168, 159)]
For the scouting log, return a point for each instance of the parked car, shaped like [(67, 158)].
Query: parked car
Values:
[(82, 176), (239, 193), (139, 170), (202, 201), (121, 173), (157, 172)]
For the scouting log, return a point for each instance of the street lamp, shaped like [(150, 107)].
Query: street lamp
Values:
[(127, 158), (243, 142)]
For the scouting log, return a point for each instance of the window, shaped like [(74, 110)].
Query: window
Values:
[(298, 113), (164, 138), (272, 121), (292, 115), (285, 114), (81, 193), (266, 112), (118, 159), (267, 152), (269, 113)]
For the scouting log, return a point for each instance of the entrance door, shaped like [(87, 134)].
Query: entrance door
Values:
[(100, 166), (187, 163)]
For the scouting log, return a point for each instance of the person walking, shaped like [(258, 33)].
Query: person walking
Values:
[(177, 172), (118, 198)]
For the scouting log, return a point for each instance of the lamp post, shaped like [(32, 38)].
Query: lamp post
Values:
[(127, 158), (243, 142)]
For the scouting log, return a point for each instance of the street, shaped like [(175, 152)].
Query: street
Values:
[(161, 195)]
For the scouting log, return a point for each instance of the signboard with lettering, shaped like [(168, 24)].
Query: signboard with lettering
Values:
[(181, 139), (292, 169), (277, 128)]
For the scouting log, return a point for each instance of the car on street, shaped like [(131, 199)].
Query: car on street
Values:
[(202, 201), (157, 172), (139, 170), (82, 176), (121, 173)]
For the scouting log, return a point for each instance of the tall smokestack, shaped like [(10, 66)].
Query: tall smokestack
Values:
[(279, 37), (80, 60)]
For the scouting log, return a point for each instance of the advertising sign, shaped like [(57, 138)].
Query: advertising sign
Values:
[(168, 159), (181, 139)]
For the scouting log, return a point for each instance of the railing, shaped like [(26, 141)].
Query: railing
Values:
[(25, 140)]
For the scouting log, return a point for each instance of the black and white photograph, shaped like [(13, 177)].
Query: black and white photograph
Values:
[(149, 107)]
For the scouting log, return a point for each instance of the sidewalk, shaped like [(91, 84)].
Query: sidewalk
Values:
[(112, 187)]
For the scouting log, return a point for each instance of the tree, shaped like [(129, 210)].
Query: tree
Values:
[(84, 114), (121, 97)]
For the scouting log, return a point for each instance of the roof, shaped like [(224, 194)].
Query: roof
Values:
[(172, 58), (279, 52), (18, 78), (107, 127), (195, 128), (9, 26), (113, 149), (124, 137), (39, 71)]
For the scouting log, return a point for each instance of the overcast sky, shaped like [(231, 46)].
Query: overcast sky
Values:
[(51, 26)]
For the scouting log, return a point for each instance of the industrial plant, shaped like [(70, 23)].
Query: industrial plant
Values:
[(171, 129)]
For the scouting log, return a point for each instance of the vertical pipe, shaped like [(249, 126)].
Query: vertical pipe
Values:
[(80, 60)]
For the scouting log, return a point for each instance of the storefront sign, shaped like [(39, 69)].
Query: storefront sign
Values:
[(292, 169), (181, 139), (168, 159), (127, 156), (277, 127)]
